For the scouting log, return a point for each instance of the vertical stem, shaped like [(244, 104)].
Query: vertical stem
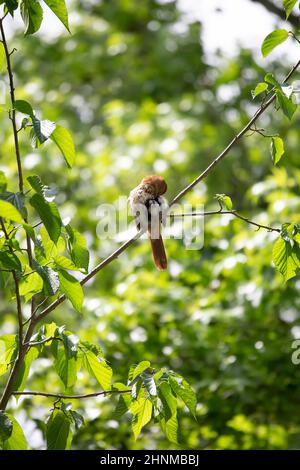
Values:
[(17, 292), (12, 113), (22, 348)]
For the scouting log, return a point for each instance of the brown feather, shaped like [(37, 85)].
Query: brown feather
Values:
[(156, 185), (159, 254)]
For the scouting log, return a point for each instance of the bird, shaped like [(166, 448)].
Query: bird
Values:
[(150, 208)]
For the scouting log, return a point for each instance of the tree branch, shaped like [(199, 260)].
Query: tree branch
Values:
[(71, 397), (233, 142), (13, 111), (43, 341), (233, 212), (22, 349), (272, 8), (266, 227), (16, 281), (12, 115)]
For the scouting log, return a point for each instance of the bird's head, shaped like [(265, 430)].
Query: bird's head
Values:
[(155, 185)]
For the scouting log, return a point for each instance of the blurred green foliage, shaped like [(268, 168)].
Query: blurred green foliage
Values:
[(133, 85)]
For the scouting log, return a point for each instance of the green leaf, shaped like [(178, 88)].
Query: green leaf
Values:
[(277, 149), (46, 331), (77, 418), (10, 261), (168, 415), (139, 369), (30, 285), (25, 123), (32, 14), (66, 263), (2, 56), (58, 431), (72, 289), (11, 5), (29, 231), (64, 142), (86, 345), (49, 215), (8, 351), (16, 199), (228, 202), (142, 413), (278, 36), (269, 78), (3, 180), (66, 368), (60, 10), (260, 88), (6, 426), (36, 184), (23, 107), (124, 401), (136, 387), (31, 355), (43, 190), (50, 278), (70, 342), (77, 247), (288, 5), (42, 130), (17, 440), (98, 368), (149, 382), (8, 211), (286, 257), (183, 390), (286, 104), (47, 250)]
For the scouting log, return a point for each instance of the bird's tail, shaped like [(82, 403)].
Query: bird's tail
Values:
[(159, 253)]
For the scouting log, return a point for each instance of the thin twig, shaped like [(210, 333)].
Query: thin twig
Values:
[(261, 132), (22, 349), (233, 142), (71, 397), (3, 17), (12, 115), (294, 36), (36, 309), (43, 341), (266, 227), (37, 224), (17, 292), (34, 270), (13, 50), (233, 212), (89, 276)]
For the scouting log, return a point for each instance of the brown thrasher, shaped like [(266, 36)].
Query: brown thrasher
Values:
[(150, 210)]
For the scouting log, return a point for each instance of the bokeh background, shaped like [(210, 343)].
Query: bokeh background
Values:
[(161, 87)]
